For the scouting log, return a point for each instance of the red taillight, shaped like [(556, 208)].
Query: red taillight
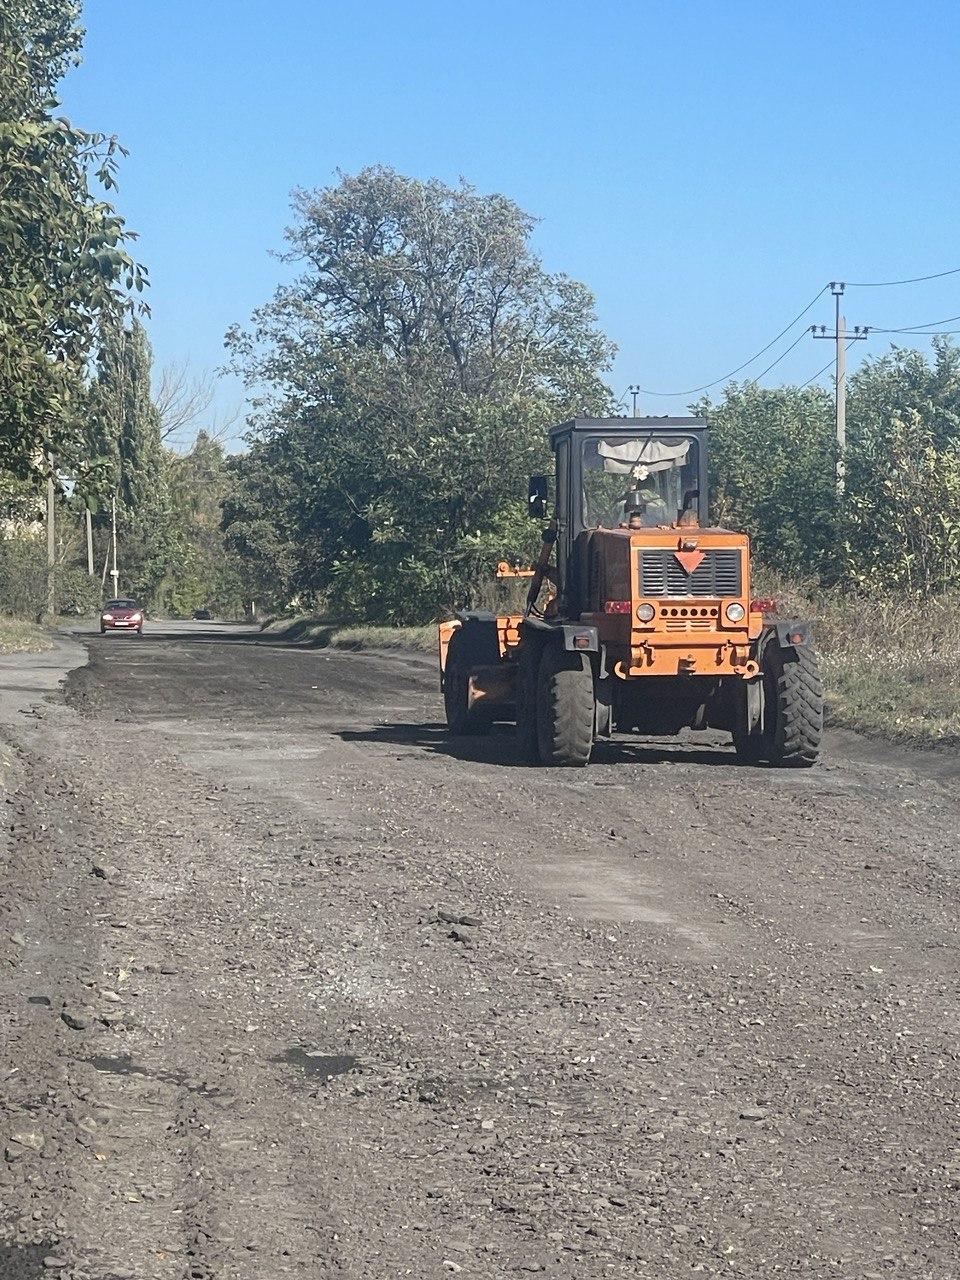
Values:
[(582, 641), (616, 606), (763, 605)]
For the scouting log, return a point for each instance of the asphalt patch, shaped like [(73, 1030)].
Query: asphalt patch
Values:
[(117, 1066), (323, 1066), (125, 1066)]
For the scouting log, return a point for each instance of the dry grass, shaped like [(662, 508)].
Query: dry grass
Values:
[(421, 639), (17, 636), (891, 666), (322, 634)]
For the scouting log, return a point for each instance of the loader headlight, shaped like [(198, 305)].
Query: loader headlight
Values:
[(646, 612), (735, 611)]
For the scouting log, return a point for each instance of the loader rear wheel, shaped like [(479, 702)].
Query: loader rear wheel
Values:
[(794, 709), (472, 646), (461, 717), (565, 707)]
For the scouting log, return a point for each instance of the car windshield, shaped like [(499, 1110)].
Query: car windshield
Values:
[(652, 471), (121, 604)]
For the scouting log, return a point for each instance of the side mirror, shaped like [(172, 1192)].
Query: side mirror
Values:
[(537, 494)]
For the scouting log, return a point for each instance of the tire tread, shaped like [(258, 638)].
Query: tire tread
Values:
[(566, 708), (799, 723)]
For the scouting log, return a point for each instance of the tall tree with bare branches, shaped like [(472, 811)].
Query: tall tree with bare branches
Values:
[(407, 380)]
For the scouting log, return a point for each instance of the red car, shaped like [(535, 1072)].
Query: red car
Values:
[(121, 615)]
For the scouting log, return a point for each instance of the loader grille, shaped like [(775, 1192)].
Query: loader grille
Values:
[(719, 574), (690, 624)]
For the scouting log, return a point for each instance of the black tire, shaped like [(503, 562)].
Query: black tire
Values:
[(461, 718), (794, 709), (527, 679), (565, 707)]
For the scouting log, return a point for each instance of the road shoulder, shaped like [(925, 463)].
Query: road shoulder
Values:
[(28, 678)]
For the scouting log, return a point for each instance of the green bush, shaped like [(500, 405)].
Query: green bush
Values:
[(23, 583), (23, 578), (76, 591)]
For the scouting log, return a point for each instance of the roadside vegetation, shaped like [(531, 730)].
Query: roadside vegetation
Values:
[(403, 385), (317, 633), (77, 400), (891, 667), (889, 662), (18, 636)]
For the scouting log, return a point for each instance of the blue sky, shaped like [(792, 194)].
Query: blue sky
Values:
[(703, 167)]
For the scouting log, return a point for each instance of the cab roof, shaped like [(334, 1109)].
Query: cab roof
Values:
[(630, 424)]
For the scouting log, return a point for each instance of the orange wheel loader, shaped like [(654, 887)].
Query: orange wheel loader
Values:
[(648, 626)]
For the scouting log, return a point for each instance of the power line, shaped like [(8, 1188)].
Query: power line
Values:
[(870, 331), (804, 385), (707, 385), (930, 333), (912, 328), (829, 365), (886, 284), (858, 284), (800, 337)]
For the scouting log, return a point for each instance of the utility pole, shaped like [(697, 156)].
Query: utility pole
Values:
[(114, 572), (634, 392), (51, 540), (841, 338), (88, 521)]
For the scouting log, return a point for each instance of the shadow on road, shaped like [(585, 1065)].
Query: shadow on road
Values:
[(499, 746)]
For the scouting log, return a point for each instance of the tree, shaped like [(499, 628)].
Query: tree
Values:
[(184, 402), (406, 382), (124, 438), (125, 425), (209, 575), (257, 532), (897, 525), (901, 514), (774, 472), (63, 261)]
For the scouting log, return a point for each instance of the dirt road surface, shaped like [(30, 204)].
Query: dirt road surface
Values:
[(294, 985)]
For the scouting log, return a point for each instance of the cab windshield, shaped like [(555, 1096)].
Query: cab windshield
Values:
[(648, 474)]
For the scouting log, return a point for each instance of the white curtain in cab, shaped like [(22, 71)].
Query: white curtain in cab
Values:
[(620, 457)]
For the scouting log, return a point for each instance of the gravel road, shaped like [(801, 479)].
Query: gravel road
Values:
[(294, 985)]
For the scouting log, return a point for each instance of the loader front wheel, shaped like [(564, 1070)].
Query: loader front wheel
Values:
[(565, 707), (794, 709), (527, 692)]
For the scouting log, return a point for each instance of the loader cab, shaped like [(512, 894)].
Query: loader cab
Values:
[(621, 475)]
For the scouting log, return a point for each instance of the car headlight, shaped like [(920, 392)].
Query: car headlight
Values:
[(135, 617), (646, 612), (735, 611), (107, 617)]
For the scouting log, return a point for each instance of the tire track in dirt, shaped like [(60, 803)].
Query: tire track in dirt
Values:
[(734, 1053)]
